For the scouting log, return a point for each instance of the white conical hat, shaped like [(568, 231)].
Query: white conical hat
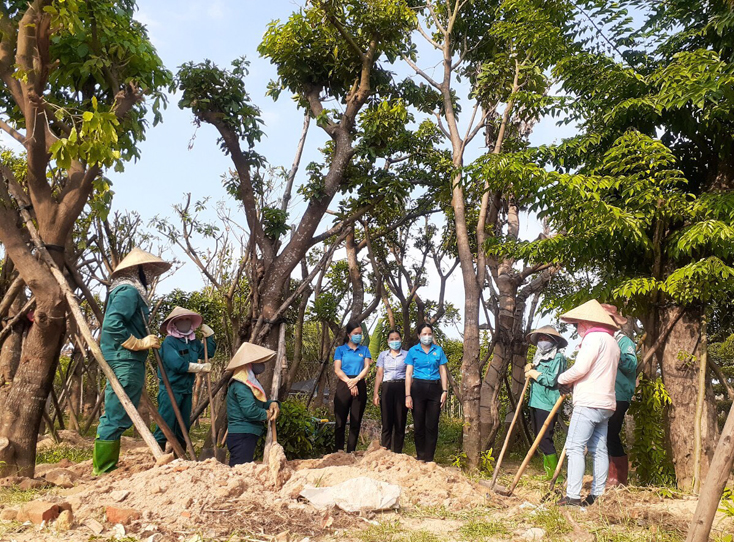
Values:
[(138, 256), (250, 353), (550, 331), (180, 312), (592, 312)]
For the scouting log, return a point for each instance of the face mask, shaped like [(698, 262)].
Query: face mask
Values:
[(395, 345), (184, 326), (356, 338), (582, 328), (258, 368), (546, 345), (427, 340)]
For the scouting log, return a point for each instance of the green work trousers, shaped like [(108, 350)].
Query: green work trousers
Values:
[(165, 409), (115, 421)]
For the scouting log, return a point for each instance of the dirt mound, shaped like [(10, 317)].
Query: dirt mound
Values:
[(214, 499), (423, 484)]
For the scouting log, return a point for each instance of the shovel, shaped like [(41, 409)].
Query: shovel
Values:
[(508, 491), (215, 451), (172, 399), (518, 409)]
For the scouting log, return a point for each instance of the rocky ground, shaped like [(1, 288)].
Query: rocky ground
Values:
[(208, 501)]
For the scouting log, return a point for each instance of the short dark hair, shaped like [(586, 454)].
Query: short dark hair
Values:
[(394, 330), (423, 326)]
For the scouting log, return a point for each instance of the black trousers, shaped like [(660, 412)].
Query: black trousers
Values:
[(538, 418), (426, 412), (241, 448), (394, 415), (614, 438), (347, 405)]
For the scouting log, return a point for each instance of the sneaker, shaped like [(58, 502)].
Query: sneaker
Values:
[(567, 501), (589, 500)]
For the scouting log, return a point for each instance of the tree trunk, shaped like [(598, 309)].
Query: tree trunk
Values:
[(91, 390), (75, 389), (471, 379), (680, 375), (11, 348), (501, 360), (714, 484), (23, 409)]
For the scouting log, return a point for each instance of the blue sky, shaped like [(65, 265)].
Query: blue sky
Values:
[(222, 30)]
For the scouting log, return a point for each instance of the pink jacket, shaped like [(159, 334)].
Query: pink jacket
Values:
[(595, 371)]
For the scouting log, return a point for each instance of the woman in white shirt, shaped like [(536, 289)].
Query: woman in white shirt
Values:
[(391, 377)]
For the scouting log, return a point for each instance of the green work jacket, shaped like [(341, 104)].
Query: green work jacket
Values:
[(176, 355), (122, 319), (624, 387), (543, 391), (245, 413)]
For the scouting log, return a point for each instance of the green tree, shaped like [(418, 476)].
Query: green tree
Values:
[(75, 77), (503, 49), (643, 195), (324, 52)]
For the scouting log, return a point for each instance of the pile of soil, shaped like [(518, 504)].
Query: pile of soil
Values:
[(215, 500)]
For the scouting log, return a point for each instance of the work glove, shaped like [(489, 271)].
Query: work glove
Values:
[(528, 367), (206, 331), (200, 368), (136, 345), (565, 389), (532, 373), (273, 411)]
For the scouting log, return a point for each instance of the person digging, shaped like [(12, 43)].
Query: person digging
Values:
[(125, 344), (548, 363), (248, 407), (592, 377), (180, 354)]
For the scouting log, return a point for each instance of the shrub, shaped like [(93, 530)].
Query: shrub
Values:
[(301, 435)]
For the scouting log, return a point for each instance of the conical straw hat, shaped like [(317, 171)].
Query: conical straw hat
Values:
[(614, 313), (250, 353), (138, 256), (591, 312), (547, 330), (180, 312)]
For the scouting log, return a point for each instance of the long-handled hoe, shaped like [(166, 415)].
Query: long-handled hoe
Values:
[(518, 409), (508, 491)]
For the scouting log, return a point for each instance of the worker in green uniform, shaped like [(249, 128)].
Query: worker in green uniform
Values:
[(125, 342), (180, 354), (624, 390), (547, 364), (248, 407)]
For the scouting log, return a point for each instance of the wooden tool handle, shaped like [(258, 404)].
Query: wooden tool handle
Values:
[(518, 409)]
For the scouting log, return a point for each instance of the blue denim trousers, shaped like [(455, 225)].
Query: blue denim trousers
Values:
[(587, 430)]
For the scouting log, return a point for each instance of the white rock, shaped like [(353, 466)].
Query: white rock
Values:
[(118, 531), (359, 494), (536, 533)]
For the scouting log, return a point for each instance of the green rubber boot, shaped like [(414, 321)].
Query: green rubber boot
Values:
[(106, 454), (550, 462)]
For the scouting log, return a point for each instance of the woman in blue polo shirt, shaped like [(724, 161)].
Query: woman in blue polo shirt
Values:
[(351, 365), (426, 389)]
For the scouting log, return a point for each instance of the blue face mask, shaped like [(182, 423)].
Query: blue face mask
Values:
[(427, 340), (356, 338), (395, 345)]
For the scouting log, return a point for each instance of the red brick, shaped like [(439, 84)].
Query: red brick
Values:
[(39, 511), (121, 515)]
